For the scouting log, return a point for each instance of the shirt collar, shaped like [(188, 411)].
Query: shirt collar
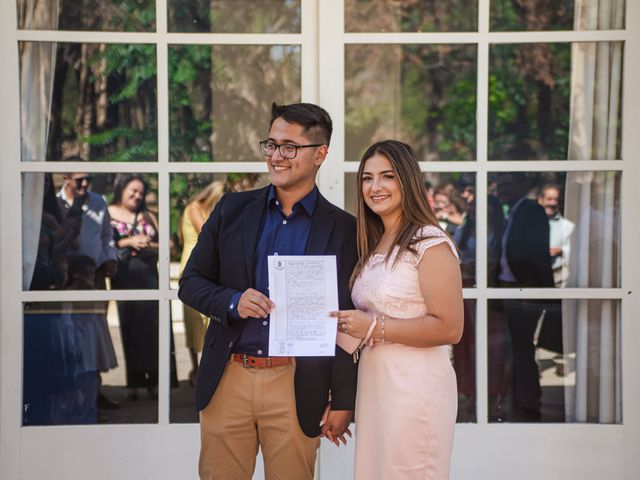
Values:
[(308, 202), (63, 195)]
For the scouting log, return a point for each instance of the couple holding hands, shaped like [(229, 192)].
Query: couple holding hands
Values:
[(398, 284)]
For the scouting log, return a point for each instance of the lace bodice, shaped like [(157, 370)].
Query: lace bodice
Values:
[(395, 291)]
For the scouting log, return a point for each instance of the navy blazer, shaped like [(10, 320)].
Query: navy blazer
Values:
[(223, 262)]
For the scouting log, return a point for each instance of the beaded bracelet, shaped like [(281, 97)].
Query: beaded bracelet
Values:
[(382, 328)]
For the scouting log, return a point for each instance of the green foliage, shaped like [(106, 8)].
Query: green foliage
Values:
[(130, 71), (529, 91), (190, 124)]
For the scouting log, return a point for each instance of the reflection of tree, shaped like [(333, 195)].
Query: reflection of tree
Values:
[(234, 16), (221, 95), (529, 101), (529, 85), (104, 103), (132, 15), (410, 15), (422, 94), (534, 15)]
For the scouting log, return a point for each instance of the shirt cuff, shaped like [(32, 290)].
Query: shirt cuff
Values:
[(232, 310)]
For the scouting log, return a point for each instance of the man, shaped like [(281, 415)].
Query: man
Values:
[(248, 399), (524, 262), (95, 238), (95, 241), (560, 230)]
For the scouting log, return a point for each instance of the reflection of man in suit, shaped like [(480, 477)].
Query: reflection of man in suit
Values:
[(560, 230), (524, 262), (248, 399)]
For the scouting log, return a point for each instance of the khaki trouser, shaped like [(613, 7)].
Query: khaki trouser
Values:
[(255, 407)]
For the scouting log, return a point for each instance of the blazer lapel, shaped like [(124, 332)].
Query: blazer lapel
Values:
[(321, 226), (252, 217)]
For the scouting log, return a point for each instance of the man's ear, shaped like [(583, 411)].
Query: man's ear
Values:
[(321, 154)]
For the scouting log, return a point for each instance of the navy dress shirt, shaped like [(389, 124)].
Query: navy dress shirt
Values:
[(281, 235)]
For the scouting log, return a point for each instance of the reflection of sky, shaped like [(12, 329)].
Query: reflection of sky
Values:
[(278, 53)]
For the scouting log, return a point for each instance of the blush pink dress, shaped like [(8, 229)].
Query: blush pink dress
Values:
[(407, 397)]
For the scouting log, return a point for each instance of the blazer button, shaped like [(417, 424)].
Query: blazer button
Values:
[(230, 344)]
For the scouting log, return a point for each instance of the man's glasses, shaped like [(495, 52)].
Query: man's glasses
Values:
[(287, 150), (80, 180)]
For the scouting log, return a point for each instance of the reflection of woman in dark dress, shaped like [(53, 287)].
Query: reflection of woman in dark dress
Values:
[(135, 231)]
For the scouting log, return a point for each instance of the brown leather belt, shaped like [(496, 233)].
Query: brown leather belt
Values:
[(260, 362)]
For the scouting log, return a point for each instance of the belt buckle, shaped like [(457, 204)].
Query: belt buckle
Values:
[(245, 360)]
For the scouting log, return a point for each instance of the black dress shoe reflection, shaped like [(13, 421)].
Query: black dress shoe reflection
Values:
[(105, 403)]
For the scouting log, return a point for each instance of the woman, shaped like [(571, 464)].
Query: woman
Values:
[(135, 231), (195, 214), (406, 286)]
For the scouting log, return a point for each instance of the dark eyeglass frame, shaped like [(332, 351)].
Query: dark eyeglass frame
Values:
[(78, 181), (288, 156)]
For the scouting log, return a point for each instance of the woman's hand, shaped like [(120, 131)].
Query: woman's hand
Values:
[(353, 322), (140, 242)]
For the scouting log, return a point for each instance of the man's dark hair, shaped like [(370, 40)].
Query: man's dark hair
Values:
[(315, 120)]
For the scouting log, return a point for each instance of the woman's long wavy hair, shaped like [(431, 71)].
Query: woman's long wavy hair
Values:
[(416, 212)]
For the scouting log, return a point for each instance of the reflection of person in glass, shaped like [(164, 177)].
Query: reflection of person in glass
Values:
[(96, 242), (57, 235), (560, 230), (248, 399), (407, 287), (195, 214), (524, 262), (48, 355), (135, 231), (449, 208), (95, 238)]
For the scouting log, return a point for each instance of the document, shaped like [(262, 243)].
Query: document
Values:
[(304, 289)]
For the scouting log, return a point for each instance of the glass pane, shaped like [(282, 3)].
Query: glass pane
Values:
[(507, 15), (86, 363), (199, 192), (220, 98), (84, 231), (563, 229), (187, 330), (88, 100), (234, 16), (424, 95), (96, 15), (464, 362), (452, 197), (555, 101), (424, 16), (554, 361)]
